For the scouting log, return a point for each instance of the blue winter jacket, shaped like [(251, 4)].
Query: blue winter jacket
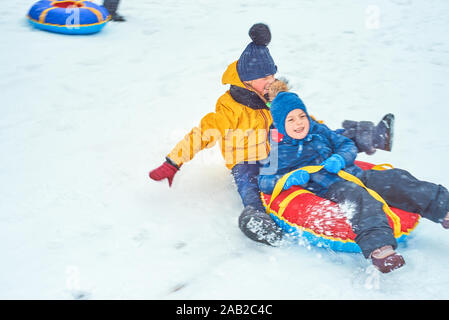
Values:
[(290, 154)]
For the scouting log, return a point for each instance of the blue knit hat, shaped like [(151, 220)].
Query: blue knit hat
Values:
[(281, 107), (256, 61)]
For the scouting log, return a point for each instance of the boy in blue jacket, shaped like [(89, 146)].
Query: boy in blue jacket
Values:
[(306, 142)]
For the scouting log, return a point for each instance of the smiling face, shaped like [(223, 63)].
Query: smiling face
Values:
[(297, 124), (262, 85)]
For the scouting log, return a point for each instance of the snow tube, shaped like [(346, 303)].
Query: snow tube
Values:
[(68, 17), (324, 223)]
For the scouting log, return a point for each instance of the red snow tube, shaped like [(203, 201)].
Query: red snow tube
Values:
[(324, 223)]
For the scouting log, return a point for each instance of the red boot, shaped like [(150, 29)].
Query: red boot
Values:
[(385, 259)]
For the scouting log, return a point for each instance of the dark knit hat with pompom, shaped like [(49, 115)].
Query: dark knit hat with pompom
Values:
[(256, 61)]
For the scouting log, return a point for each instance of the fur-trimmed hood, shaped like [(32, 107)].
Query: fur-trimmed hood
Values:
[(279, 85)]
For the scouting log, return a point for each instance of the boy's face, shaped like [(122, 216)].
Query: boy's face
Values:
[(297, 124), (262, 85)]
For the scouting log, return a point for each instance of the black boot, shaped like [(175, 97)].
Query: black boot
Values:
[(445, 222), (383, 137), (369, 137), (111, 6), (258, 226), (118, 18)]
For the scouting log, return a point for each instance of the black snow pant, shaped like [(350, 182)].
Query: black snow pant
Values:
[(111, 5), (399, 189)]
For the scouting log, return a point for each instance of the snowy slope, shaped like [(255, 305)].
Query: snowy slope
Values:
[(83, 120)]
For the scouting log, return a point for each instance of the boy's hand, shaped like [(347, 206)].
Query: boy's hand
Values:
[(297, 178), (334, 163), (166, 170)]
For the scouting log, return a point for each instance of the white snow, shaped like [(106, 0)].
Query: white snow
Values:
[(85, 118)]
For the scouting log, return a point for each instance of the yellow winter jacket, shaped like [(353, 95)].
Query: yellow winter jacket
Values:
[(240, 130)]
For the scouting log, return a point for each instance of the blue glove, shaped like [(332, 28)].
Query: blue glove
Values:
[(334, 163), (297, 178)]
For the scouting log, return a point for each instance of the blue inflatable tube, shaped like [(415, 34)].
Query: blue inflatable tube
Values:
[(68, 16)]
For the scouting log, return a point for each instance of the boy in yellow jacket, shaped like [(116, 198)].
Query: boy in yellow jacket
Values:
[(241, 123)]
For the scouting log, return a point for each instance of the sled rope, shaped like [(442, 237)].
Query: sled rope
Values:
[(281, 182), (344, 175), (382, 166), (284, 203)]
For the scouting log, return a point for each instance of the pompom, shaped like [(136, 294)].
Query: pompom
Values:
[(260, 34)]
